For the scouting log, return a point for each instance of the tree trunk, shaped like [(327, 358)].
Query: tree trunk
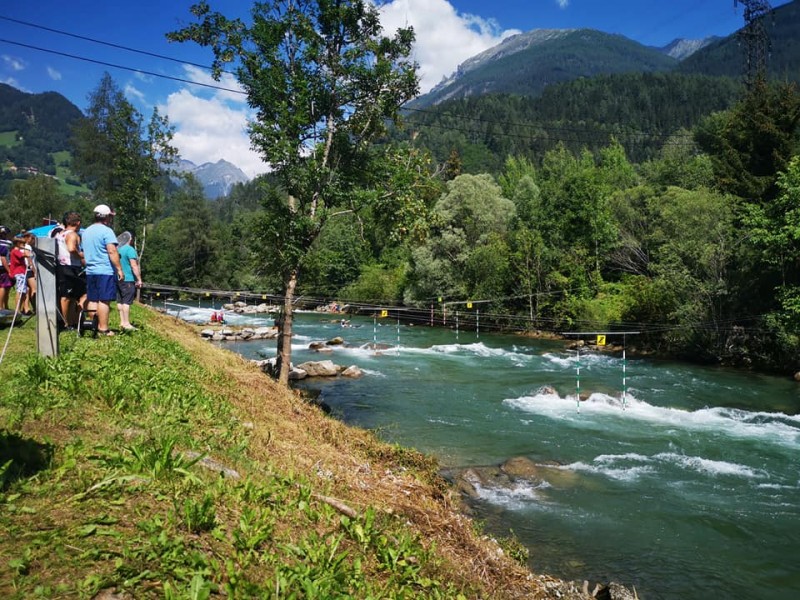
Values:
[(285, 331)]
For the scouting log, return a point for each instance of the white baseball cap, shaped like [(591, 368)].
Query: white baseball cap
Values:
[(103, 210)]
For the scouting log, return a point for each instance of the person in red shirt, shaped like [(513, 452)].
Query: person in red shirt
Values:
[(17, 268)]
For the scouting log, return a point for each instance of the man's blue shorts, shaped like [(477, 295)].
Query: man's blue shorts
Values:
[(101, 288)]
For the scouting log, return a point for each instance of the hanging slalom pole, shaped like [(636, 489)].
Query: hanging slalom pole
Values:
[(397, 348), (601, 341), (375, 332), (478, 323), (456, 325), (578, 377), (624, 385)]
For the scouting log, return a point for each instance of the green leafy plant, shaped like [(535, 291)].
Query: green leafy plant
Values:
[(199, 516)]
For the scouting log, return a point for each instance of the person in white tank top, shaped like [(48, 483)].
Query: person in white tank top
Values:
[(71, 280)]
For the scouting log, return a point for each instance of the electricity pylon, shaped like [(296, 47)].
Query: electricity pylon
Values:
[(755, 38)]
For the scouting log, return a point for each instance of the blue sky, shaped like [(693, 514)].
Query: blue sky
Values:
[(210, 124)]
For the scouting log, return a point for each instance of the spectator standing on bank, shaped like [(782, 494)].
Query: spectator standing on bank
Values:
[(69, 270), (103, 268), (6, 281), (132, 279), (18, 267), (30, 271)]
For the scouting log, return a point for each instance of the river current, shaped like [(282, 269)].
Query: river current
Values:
[(685, 486)]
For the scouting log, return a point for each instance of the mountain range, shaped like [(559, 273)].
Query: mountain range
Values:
[(527, 63), (216, 178)]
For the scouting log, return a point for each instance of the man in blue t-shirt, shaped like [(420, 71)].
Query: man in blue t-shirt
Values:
[(103, 268)]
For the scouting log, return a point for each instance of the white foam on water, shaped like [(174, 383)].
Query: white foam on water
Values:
[(474, 349), (588, 359), (631, 466), (619, 473), (517, 496), (776, 486), (767, 427), (372, 373), (710, 467)]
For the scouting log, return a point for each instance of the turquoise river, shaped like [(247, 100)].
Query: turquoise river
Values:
[(689, 489)]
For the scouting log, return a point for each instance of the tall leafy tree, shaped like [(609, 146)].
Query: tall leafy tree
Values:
[(323, 82), (122, 157), (28, 201), (471, 216), (184, 251)]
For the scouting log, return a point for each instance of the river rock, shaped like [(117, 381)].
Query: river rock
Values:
[(337, 341), (319, 347), (797, 376), (320, 368), (352, 371), (520, 467), (207, 333), (296, 374)]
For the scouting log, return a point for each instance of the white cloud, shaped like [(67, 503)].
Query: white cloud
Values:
[(132, 92), (53, 74), (444, 37), (207, 130), (14, 63), (562, 3), (227, 88)]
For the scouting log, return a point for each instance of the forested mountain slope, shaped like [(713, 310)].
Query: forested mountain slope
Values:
[(527, 63), (641, 110), (43, 123)]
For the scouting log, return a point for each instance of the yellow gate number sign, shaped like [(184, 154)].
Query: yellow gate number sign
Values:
[(384, 313), (601, 340), (469, 304)]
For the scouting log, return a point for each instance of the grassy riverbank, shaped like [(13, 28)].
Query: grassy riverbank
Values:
[(157, 465)]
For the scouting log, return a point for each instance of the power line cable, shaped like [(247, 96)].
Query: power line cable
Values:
[(115, 66), (104, 43)]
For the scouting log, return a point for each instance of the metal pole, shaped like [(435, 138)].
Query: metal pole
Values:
[(624, 385), (578, 379), (477, 322), (397, 352), (456, 325)]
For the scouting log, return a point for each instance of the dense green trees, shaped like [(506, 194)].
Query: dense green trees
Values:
[(28, 201), (122, 157)]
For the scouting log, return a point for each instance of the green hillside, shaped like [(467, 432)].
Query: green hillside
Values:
[(42, 122), (640, 110)]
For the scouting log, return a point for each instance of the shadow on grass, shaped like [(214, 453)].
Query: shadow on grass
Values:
[(21, 457)]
